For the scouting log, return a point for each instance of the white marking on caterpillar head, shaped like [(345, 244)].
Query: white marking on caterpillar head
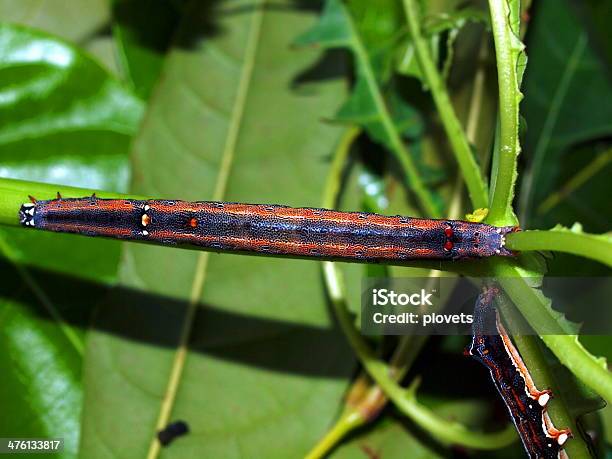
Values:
[(145, 233), (498, 230), (26, 214), (497, 251), (146, 207)]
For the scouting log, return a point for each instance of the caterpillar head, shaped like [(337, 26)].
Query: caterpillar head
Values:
[(26, 214)]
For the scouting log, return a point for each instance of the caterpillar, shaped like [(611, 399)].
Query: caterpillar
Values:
[(526, 404), (268, 229)]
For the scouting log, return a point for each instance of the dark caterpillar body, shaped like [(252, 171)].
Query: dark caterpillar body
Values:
[(269, 229), (526, 404)]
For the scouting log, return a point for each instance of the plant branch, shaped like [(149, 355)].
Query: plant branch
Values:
[(591, 370), (456, 135), (348, 421), (593, 246), (506, 53)]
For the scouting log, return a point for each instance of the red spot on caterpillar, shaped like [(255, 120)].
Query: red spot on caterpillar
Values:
[(448, 246), (193, 223), (448, 232)]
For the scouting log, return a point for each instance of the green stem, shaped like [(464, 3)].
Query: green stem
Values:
[(595, 247), (502, 185), (589, 369), (456, 135), (347, 422), (399, 149), (339, 160)]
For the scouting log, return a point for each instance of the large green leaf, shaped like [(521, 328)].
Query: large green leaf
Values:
[(564, 87), (236, 117), (63, 119)]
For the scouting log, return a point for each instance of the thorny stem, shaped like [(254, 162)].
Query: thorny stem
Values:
[(502, 186)]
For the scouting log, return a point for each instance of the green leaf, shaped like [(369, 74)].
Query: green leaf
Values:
[(367, 106), (74, 21), (143, 40), (565, 87), (436, 27), (333, 30), (453, 21), (41, 391), (379, 26), (63, 119), (379, 29), (263, 359), (358, 109)]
